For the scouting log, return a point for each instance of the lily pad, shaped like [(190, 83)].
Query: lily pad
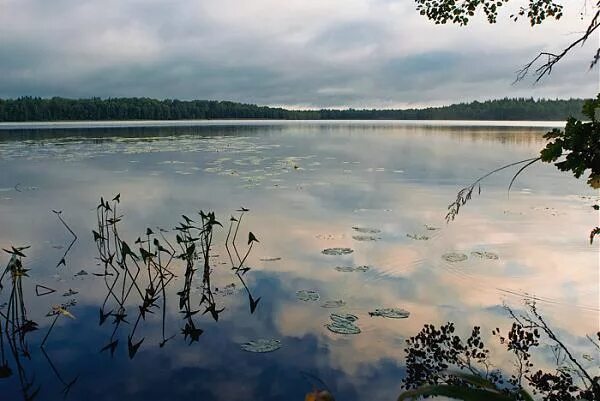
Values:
[(350, 269), (454, 257), (261, 345), (227, 290), (307, 295), (390, 313), (343, 323), (337, 303), (418, 237), (485, 255), (365, 238), (337, 251), (343, 317), (366, 230)]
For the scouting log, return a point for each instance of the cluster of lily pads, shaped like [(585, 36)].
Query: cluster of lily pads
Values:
[(454, 257)]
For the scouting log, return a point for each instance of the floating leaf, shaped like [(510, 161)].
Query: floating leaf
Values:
[(307, 295), (41, 290), (350, 269), (390, 313), (343, 317), (485, 255), (60, 310), (365, 238), (261, 345), (418, 237), (333, 304), (453, 257), (366, 230), (337, 251), (343, 323)]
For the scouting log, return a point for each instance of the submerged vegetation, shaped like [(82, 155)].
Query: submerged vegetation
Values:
[(62, 109)]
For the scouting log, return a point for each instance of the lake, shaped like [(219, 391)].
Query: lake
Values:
[(349, 218)]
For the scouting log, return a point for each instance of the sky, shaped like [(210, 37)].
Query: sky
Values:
[(291, 53)]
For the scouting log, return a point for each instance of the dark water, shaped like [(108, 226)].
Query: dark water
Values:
[(306, 186)]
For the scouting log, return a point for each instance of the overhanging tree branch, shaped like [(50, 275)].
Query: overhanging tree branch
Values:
[(552, 59)]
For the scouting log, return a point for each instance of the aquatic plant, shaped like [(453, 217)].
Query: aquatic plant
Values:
[(343, 323), (261, 345), (148, 273), (575, 149), (441, 363), (390, 313)]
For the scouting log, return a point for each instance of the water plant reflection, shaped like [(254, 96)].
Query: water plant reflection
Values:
[(145, 275)]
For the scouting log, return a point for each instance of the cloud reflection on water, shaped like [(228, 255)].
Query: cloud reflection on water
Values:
[(539, 235)]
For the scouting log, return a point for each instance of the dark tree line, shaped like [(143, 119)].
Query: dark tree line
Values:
[(61, 109)]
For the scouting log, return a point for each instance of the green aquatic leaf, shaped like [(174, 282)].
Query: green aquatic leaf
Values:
[(307, 295), (365, 238), (454, 257), (366, 230), (485, 255), (337, 251), (333, 304), (390, 313), (261, 345), (350, 269), (418, 237), (274, 259), (343, 323)]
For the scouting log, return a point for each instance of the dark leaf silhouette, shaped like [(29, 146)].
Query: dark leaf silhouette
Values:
[(133, 348), (104, 316), (253, 303), (41, 290), (112, 346), (252, 238)]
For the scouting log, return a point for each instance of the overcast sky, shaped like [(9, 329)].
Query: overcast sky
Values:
[(296, 53)]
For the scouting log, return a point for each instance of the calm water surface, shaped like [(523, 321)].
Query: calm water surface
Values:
[(308, 187)]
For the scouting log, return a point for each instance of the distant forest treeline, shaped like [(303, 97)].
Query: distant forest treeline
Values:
[(61, 109)]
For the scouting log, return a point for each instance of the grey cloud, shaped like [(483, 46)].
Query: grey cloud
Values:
[(305, 57)]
